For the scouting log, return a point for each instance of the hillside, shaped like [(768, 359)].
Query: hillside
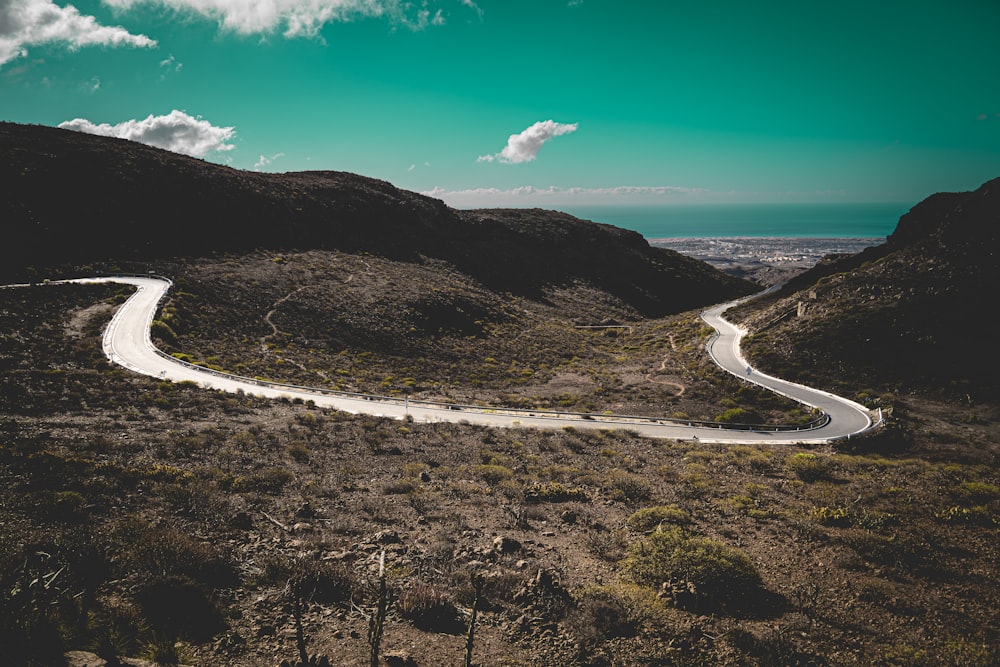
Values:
[(169, 521), (906, 314), (73, 199)]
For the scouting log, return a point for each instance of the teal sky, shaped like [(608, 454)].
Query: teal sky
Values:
[(650, 102)]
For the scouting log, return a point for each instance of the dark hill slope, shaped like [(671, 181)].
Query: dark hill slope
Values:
[(915, 312), (68, 198)]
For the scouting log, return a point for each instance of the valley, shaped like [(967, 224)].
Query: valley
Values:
[(161, 519)]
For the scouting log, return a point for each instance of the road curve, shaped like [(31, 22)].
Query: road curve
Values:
[(127, 342)]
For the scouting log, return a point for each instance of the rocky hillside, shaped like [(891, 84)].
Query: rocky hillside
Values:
[(913, 312), (69, 199)]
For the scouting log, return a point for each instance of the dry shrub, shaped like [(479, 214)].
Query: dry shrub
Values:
[(600, 615), (429, 608), (145, 551), (321, 581)]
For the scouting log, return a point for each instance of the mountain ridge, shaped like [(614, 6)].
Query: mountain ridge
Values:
[(143, 203)]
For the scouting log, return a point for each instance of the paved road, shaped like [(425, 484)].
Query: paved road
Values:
[(846, 417), (127, 342)]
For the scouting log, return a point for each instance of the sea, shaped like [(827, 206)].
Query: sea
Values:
[(827, 221)]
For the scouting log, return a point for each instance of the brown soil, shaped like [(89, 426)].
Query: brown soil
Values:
[(880, 553)]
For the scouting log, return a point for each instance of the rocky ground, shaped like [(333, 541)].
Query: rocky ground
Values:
[(258, 523)]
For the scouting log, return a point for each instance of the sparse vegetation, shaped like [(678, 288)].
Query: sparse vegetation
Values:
[(144, 518), (692, 568), (653, 518)]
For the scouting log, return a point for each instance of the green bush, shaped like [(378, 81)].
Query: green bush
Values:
[(978, 515), (554, 492), (626, 486), (832, 516), (650, 518), (739, 416), (492, 473), (703, 568), (808, 466), (321, 581), (269, 480), (977, 492), (175, 606), (160, 329)]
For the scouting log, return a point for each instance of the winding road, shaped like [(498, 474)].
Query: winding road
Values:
[(127, 342)]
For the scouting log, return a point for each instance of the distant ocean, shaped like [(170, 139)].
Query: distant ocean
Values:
[(831, 221)]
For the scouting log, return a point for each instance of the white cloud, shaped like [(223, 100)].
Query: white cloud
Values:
[(294, 18), (176, 131), (473, 6), (25, 23), (529, 195), (170, 64), (524, 147), (265, 161)]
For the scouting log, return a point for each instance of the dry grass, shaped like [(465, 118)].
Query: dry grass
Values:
[(210, 497)]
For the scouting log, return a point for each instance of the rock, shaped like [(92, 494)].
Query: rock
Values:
[(302, 527), (140, 662), (386, 537), (544, 579), (399, 659), (506, 545), (84, 659)]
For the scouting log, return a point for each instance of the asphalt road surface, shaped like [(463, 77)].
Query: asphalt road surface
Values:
[(127, 342)]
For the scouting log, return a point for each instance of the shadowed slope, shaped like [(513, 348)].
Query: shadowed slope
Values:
[(903, 312), (71, 198)]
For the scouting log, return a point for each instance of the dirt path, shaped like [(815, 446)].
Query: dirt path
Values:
[(274, 309), (663, 366), (275, 331)]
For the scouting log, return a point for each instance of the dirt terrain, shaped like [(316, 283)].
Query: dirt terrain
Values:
[(181, 523)]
